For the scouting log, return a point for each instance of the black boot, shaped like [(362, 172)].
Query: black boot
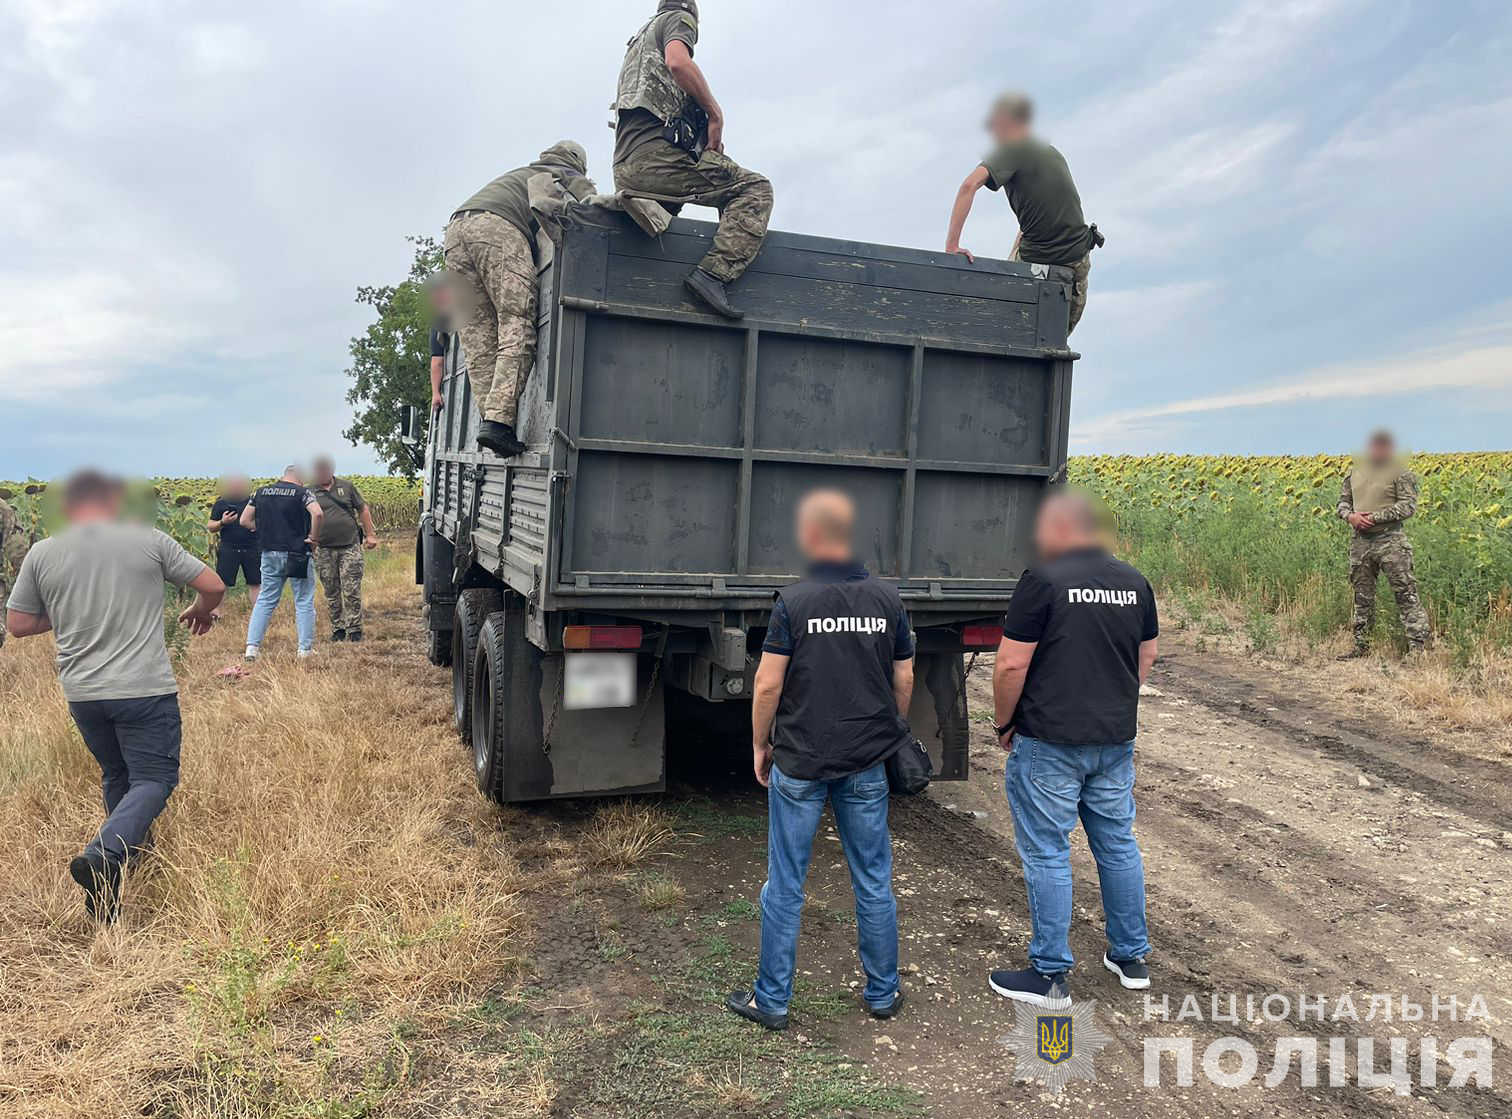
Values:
[(499, 438), (338, 635), (710, 292), (354, 635), (100, 878)]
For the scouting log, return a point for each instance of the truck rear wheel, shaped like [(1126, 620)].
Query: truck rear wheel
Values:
[(506, 705), (474, 606)]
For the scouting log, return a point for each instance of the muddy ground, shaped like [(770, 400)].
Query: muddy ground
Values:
[(1296, 842)]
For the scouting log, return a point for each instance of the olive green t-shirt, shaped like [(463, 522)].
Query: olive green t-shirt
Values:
[(342, 505), (1044, 199), (639, 128), (509, 197)]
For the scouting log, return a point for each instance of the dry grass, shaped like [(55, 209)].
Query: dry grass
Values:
[(624, 832), (326, 889)]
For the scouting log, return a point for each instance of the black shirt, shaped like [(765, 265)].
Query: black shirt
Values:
[(438, 342), (837, 715), (233, 535), (1089, 613), (283, 517)]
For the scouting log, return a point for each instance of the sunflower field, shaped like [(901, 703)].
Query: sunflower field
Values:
[(1261, 532)]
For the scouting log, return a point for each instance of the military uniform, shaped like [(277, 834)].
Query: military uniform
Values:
[(339, 561), (490, 254), (648, 165), (13, 545), (1388, 494)]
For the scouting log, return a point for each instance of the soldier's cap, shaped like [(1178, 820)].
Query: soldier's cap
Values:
[(1014, 106), (689, 6), (566, 153)]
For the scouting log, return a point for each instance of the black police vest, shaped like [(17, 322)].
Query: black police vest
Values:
[(837, 715)]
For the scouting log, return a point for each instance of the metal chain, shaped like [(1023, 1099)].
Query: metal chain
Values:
[(661, 648), (555, 704), (962, 694)]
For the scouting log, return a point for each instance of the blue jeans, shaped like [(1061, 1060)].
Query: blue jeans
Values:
[(1049, 787), (273, 581), (793, 811)]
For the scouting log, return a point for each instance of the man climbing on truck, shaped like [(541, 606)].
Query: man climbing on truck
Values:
[(669, 147), (491, 255), (1039, 187)]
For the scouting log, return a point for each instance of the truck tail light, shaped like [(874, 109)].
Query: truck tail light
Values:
[(981, 637), (601, 637)]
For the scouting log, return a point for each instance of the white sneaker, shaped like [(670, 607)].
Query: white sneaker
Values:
[(306, 654), (251, 652)]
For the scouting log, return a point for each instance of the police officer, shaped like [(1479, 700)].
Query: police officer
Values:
[(835, 679), (287, 518), (1377, 498), (669, 146), (491, 255), (1034, 177)]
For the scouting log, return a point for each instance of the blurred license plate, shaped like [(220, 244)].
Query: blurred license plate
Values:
[(599, 680)]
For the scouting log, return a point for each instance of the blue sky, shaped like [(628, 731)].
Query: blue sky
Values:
[(1307, 201)]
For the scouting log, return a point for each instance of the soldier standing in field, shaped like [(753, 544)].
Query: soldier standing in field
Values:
[(13, 546), (345, 531), (491, 256), (669, 147), (1038, 184), (1377, 498)]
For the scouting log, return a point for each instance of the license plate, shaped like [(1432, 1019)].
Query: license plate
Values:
[(599, 680)]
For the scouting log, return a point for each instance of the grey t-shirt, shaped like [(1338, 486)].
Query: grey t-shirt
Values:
[(101, 584)]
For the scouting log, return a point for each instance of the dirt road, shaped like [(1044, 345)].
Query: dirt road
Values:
[(1296, 844)]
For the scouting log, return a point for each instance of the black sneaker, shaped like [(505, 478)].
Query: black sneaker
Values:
[(500, 438), (890, 1011), (711, 293), (338, 635), (1133, 974), (354, 635), (744, 1004), (100, 878), (1050, 991)]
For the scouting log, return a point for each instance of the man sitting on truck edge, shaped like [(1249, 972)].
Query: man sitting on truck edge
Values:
[(1038, 184), (831, 693), (1078, 641), (669, 147), (491, 256)]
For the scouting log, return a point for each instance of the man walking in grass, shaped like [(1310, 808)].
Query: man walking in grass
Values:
[(1079, 640), (287, 519), (1379, 496), (98, 587)]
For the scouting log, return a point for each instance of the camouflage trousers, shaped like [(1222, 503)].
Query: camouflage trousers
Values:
[(494, 286), (1078, 293), (672, 176), (340, 571), (1391, 552)]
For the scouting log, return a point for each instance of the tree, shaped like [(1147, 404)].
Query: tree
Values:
[(391, 359)]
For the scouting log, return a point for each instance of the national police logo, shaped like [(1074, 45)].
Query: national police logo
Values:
[(1055, 1037), (1056, 1048)]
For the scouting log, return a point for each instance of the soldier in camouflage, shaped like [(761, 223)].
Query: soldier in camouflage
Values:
[(13, 545), (1377, 498), (491, 257), (669, 147), (346, 531)]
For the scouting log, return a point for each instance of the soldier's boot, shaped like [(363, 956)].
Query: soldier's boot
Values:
[(500, 438), (354, 635), (1357, 653), (709, 291)]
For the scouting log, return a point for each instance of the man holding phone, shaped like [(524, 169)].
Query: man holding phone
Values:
[(238, 553)]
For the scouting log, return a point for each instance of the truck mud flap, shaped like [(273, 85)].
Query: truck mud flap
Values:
[(606, 751), (938, 713)]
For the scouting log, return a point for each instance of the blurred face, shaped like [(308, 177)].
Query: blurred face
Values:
[(236, 486), (325, 470), (1382, 450), (94, 508), (1005, 128)]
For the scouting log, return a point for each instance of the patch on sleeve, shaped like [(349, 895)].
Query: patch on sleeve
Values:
[(687, 17)]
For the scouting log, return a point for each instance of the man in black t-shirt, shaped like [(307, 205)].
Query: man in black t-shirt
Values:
[(238, 551), (287, 518), (1079, 640)]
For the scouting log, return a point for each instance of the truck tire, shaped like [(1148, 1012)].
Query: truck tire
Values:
[(474, 605), (506, 707)]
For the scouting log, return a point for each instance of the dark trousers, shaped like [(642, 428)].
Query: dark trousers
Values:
[(136, 742), (247, 562)]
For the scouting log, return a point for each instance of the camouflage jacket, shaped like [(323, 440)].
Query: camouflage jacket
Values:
[(1400, 497)]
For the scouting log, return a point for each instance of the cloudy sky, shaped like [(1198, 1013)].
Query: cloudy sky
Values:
[(1307, 201)]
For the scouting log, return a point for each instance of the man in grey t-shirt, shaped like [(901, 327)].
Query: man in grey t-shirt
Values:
[(98, 587)]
